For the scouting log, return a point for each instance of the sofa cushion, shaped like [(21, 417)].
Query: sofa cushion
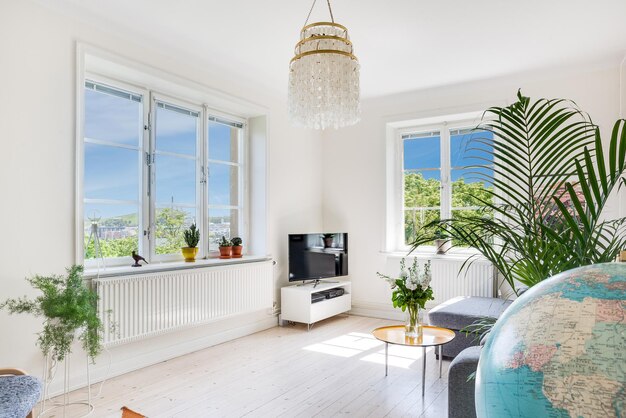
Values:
[(18, 395), (459, 312)]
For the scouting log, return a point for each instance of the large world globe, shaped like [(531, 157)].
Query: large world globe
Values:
[(559, 350)]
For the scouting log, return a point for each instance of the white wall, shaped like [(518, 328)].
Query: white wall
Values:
[(354, 158), (37, 138)]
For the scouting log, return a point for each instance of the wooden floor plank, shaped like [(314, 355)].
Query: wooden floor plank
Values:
[(337, 368)]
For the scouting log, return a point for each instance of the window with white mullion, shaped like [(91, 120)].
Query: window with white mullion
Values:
[(225, 180), (438, 181), (175, 192), (112, 185)]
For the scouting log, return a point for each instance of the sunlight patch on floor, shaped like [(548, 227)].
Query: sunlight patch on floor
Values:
[(399, 356), (347, 345)]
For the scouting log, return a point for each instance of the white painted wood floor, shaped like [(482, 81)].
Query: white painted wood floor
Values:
[(337, 368)]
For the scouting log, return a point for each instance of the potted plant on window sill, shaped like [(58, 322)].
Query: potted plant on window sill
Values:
[(225, 248), (443, 243), (192, 237), (237, 247)]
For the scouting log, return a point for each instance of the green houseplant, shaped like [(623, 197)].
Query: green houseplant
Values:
[(192, 237), (225, 248), (237, 248), (411, 291), (69, 310), (552, 180)]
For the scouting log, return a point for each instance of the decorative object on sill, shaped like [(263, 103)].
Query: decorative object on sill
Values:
[(534, 232), (192, 237), (324, 77), (94, 236), (237, 248), (443, 243), (622, 256), (137, 259), (226, 248), (411, 291), (70, 312), (328, 240)]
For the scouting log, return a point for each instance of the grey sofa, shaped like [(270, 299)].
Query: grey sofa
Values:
[(461, 403), (460, 312), (18, 393)]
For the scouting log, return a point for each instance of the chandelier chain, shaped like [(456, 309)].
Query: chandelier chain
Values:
[(330, 10)]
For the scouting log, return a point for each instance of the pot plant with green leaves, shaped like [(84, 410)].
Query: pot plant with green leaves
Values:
[(237, 247), (226, 247), (69, 310), (552, 180), (192, 237)]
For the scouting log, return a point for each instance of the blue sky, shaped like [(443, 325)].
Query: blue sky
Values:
[(425, 152), (114, 173)]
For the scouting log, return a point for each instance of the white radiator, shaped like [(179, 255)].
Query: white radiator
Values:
[(148, 304), (447, 282)]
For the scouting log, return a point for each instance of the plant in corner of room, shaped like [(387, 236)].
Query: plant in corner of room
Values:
[(192, 237), (411, 291), (237, 248), (552, 180), (69, 309), (226, 247)]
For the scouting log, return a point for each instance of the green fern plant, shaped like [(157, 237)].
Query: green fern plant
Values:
[(69, 309), (192, 236)]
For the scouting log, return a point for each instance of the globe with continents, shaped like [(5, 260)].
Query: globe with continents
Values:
[(559, 350)]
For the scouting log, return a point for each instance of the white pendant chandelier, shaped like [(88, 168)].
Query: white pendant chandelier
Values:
[(324, 77)]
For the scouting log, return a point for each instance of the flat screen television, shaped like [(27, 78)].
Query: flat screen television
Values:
[(317, 256)]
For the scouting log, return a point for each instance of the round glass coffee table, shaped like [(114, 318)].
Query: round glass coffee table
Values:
[(431, 337)]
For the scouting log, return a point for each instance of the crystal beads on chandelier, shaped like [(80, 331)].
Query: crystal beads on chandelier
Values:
[(324, 78)]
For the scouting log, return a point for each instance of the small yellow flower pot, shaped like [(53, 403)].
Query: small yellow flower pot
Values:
[(190, 253)]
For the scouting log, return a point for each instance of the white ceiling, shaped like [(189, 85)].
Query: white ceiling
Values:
[(401, 44)]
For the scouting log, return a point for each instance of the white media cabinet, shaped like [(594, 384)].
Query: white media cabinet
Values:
[(296, 303)]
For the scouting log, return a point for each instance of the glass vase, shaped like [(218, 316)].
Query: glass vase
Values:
[(413, 323)]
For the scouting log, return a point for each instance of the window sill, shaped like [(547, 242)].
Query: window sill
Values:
[(113, 271), (428, 253)]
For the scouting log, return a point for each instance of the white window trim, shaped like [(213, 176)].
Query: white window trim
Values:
[(190, 92), (394, 237)]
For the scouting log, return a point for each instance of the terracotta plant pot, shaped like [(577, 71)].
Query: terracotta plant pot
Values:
[(237, 249), (225, 252), (190, 253)]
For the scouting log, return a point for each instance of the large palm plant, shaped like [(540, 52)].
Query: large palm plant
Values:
[(551, 181)]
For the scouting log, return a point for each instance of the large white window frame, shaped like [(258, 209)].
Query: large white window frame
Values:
[(395, 235), (147, 152)]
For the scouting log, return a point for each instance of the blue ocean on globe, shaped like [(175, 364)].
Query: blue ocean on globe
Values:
[(559, 350)]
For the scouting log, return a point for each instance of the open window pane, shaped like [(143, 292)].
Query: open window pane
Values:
[(111, 173), (223, 142), (222, 222), (112, 115), (170, 223), (223, 184), (176, 129), (422, 151), (115, 226)]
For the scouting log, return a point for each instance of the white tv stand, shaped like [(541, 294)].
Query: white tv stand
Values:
[(296, 303)]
